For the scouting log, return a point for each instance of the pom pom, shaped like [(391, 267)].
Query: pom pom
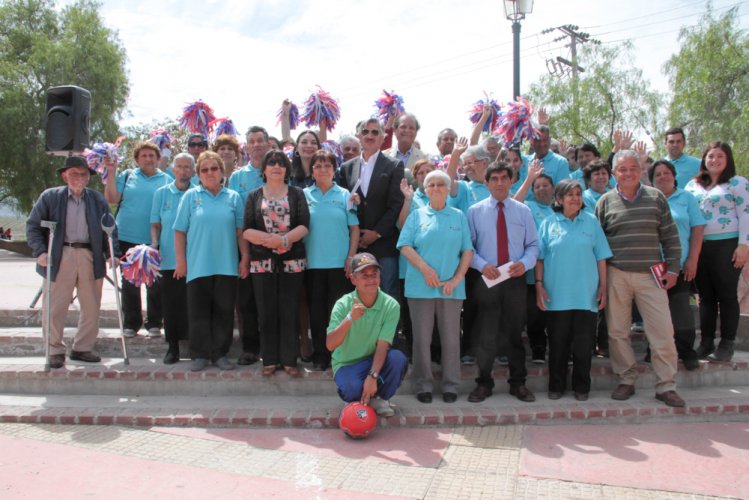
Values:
[(441, 162), (161, 138), (388, 103), (289, 151), (222, 126), (101, 150), (515, 123), (478, 109), (141, 265), (196, 117), (293, 116), (245, 154), (334, 148), (320, 107)]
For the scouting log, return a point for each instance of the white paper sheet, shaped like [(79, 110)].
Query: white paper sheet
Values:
[(504, 273)]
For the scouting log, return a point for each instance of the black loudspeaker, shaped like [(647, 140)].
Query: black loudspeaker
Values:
[(68, 111)]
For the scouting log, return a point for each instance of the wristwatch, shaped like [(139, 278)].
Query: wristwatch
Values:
[(374, 374)]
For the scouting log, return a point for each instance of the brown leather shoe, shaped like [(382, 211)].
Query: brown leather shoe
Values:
[(671, 399), (480, 393), (87, 356), (522, 393), (623, 392), (56, 360)]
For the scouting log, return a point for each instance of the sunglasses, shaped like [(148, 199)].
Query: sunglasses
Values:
[(374, 132), (275, 161), (196, 145), (209, 169)]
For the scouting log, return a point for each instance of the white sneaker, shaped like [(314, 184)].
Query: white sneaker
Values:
[(128, 332), (382, 407), (154, 332)]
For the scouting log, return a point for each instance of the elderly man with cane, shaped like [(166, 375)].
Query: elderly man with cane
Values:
[(76, 257)]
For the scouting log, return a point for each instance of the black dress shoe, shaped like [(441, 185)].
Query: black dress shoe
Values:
[(319, 367), (522, 393), (691, 364), (480, 393), (56, 360), (555, 395), (424, 397), (247, 358), (449, 397), (581, 396), (87, 356), (172, 355)]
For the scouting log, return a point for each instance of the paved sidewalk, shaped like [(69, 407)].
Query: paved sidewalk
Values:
[(464, 462)]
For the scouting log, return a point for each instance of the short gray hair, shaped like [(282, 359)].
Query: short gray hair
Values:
[(438, 174), (184, 155), (626, 153), (479, 151), (348, 138), (366, 122), (403, 116)]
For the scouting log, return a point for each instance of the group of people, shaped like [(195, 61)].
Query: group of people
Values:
[(464, 251)]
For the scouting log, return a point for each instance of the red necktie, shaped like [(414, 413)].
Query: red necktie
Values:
[(503, 252)]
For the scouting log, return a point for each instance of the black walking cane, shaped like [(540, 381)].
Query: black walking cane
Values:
[(51, 225), (109, 229)]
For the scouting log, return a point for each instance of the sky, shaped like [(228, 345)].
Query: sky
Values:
[(243, 57)]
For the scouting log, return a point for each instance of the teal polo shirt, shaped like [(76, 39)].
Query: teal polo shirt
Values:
[(439, 237), (246, 180), (686, 213), (211, 224), (419, 200), (469, 193), (328, 239), (134, 214), (686, 168), (590, 198), (540, 212), (571, 250), (164, 211), (578, 176), (378, 323)]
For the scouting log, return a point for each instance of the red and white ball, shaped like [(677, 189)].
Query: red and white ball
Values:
[(357, 420)]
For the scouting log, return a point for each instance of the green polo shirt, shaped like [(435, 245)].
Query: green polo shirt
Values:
[(378, 323)]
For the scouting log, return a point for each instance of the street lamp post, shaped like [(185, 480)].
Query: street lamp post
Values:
[(515, 10)]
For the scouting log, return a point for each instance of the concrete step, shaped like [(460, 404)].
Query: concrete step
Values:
[(703, 405), (149, 377)]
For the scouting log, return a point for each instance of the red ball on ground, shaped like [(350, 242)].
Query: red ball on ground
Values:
[(357, 420)]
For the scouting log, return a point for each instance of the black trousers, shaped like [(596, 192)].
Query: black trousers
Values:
[(570, 330), (682, 318), (468, 315), (535, 325), (501, 312), (210, 302), (174, 301), (324, 288), (249, 331), (277, 296), (131, 305), (602, 331), (717, 280)]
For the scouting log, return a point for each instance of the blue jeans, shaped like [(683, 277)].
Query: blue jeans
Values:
[(350, 379)]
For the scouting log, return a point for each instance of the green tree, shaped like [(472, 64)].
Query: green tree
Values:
[(709, 78), (42, 47), (612, 95)]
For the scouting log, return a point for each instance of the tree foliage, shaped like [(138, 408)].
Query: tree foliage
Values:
[(612, 95), (709, 78), (42, 47)]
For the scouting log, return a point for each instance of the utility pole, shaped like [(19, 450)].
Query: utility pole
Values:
[(575, 36)]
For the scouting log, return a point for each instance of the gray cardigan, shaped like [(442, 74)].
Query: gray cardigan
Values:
[(52, 205)]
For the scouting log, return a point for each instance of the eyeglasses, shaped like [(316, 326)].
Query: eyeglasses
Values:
[(436, 185), (196, 145), (275, 161), (374, 132), (209, 169)]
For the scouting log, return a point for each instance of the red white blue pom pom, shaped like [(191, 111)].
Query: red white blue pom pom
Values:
[(222, 126), (101, 150), (388, 103), (334, 148), (478, 109), (161, 138), (289, 151), (196, 117), (293, 116), (141, 265), (321, 107), (515, 123)]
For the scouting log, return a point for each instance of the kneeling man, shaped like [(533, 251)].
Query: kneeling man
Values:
[(360, 333)]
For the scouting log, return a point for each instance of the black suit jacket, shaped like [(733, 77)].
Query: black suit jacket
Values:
[(378, 210)]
